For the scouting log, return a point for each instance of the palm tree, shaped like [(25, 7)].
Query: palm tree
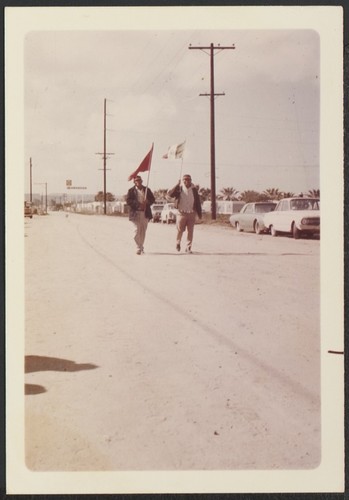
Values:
[(250, 196), (314, 193), (100, 196), (228, 194), (205, 194), (160, 194), (288, 194), (272, 194)]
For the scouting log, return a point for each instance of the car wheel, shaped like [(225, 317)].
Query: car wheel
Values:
[(238, 228), (273, 231), (295, 231), (257, 228)]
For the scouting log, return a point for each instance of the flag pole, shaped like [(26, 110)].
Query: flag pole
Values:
[(146, 188), (180, 173)]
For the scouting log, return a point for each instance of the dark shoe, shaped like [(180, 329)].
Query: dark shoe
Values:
[(188, 250), (178, 247), (139, 251)]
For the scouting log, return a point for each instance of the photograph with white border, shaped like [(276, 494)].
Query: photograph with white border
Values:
[(216, 368)]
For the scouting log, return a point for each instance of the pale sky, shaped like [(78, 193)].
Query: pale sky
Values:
[(266, 124)]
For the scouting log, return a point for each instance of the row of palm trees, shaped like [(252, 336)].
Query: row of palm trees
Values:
[(249, 196), (228, 194)]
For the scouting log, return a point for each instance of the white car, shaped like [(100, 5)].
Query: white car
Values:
[(156, 210), (297, 215), (251, 216), (169, 213)]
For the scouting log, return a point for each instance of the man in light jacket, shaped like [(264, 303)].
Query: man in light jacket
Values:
[(187, 201)]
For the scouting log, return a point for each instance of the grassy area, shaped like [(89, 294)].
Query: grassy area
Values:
[(221, 220)]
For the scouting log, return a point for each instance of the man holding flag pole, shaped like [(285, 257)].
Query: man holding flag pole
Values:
[(187, 201), (139, 199)]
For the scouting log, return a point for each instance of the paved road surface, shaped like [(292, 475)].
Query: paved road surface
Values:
[(169, 361)]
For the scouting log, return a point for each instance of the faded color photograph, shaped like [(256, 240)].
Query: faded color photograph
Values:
[(172, 250)]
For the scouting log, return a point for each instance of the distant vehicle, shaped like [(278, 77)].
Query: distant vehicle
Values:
[(251, 217), (28, 210), (297, 215), (156, 210), (169, 213)]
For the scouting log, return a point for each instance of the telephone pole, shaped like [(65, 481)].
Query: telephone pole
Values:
[(104, 156), (31, 183), (212, 95), (44, 184)]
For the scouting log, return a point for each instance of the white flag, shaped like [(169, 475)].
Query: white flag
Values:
[(174, 152)]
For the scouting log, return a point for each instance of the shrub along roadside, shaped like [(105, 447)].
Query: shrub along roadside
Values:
[(221, 219)]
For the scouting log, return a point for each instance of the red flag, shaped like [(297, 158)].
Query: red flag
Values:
[(144, 166)]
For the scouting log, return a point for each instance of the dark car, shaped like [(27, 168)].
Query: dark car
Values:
[(28, 210), (251, 216)]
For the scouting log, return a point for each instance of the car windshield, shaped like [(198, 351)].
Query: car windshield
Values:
[(265, 207), (305, 204)]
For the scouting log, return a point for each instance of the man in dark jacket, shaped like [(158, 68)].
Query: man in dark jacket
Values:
[(140, 199), (187, 201)]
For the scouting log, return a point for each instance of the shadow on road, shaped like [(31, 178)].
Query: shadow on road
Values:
[(45, 363), (32, 389)]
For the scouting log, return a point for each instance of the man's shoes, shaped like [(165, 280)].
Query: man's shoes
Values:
[(178, 247), (188, 250), (139, 251)]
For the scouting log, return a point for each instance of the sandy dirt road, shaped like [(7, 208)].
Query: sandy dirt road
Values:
[(168, 361)]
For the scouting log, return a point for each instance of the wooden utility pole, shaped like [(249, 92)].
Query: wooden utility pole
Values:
[(212, 95), (43, 184), (31, 183), (46, 198), (104, 156)]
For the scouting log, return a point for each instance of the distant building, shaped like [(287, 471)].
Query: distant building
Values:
[(224, 206), (97, 207)]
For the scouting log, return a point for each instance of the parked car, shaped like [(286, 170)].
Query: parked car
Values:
[(251, 216), (28, 211), (156, 210), (297, 215), (169, 213)]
